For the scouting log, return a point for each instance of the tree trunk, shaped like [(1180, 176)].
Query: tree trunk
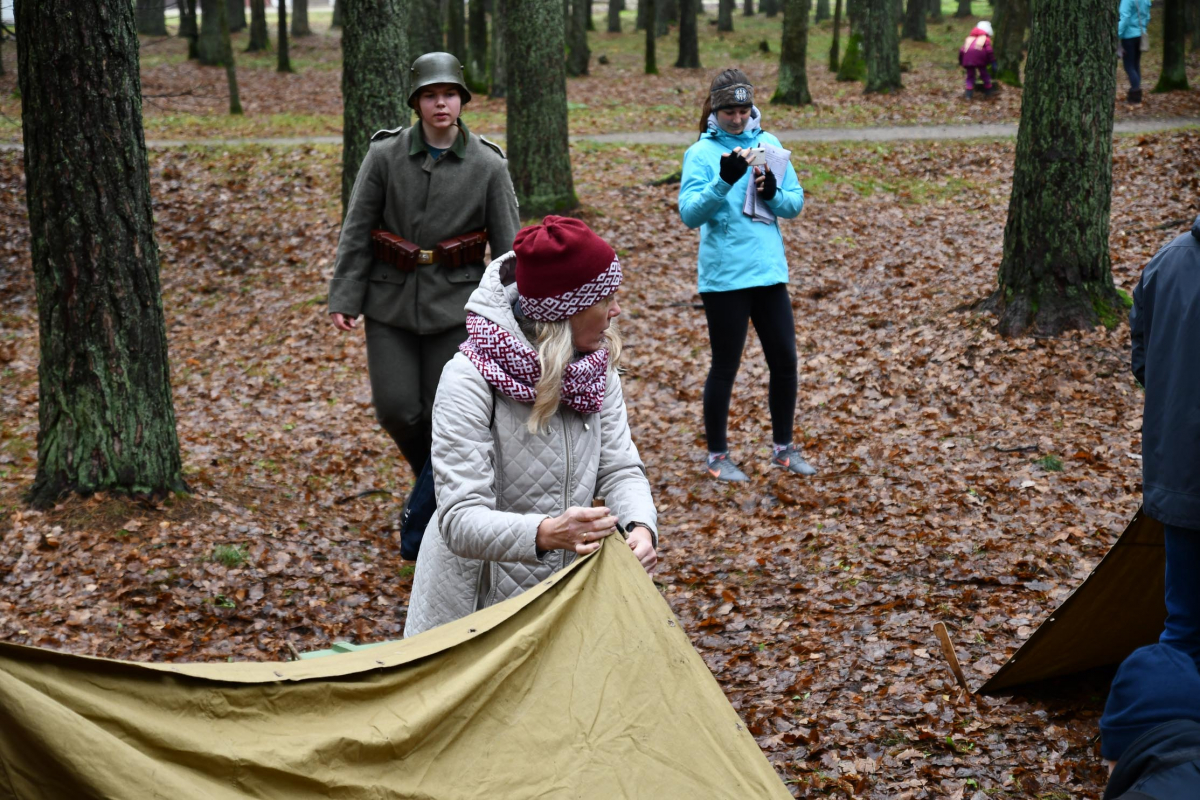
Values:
[(187, 21), (1174, 66), (300, 26), (338, 11), (834, 56), (456, 31), (822, 11), (882, 46), (591, 24), (792, 88), (855, 10), (578, 54), (1011, 19), (425, 33), (105, 416), (1194, 24), (283, 62), (770, 7), (662, 18), (651, 56), (499, 50), (643, 15), (914, 21), (935, 11), (748, 9), (963, 10), (208, 46), (539, 160), (1055, 274), (235, 102), (477, 46), (724, 15), (151, 17), (259, 40), (689, 42), (614, 17), (236, 11), (376, 57)]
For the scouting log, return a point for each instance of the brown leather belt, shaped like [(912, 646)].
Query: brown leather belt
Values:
[(406, 256)]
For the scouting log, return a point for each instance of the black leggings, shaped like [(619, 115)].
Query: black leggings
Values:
[(770, 309)]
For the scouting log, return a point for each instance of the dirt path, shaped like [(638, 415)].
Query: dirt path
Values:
[(895, 133)]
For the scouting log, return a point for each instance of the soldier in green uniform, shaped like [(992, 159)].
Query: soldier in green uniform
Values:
[(406, 260)]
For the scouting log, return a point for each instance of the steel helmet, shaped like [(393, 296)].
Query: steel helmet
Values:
[(434, 68)]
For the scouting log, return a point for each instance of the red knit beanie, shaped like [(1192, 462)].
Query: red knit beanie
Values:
[(563, 267)]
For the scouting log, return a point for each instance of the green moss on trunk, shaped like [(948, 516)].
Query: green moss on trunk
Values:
[(1174, 68), (792, 88), (689, 43), (1012, 20), (882, 46)]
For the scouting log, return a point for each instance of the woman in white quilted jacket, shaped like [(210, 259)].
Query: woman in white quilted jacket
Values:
[(529, 425)]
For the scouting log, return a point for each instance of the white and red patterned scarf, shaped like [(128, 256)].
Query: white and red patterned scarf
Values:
[(510, 364)]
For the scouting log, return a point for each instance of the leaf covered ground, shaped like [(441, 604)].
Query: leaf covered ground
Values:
[(184, 100), (963, 477)]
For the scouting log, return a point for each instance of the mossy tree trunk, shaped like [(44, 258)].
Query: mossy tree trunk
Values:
[(259, 40), (822, 11), (689, 41), (477, 46), (1174, 66), (235, 102), (792, 88), (1011, 20), (914, 21), (300, 26), (651, 57), (152, 17), (376, 57), (882, 45), (578, 54), (834, 55), (425, 32), (456, 30), (283, 61), (614, 16), (208, 45), (499, 70), (963, 10), (106, 421), (1055, 274), (538, 158), (855, 14), (724, 15)]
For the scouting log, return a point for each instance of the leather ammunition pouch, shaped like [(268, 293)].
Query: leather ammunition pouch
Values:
[(391, 249), (404, 255), (459, 250)]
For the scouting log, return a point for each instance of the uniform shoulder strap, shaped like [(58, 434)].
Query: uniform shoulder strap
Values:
[(494, 146), (385, 133)]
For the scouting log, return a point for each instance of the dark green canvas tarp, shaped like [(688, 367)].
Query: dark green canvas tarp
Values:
[(1117, 609), (583, 687)]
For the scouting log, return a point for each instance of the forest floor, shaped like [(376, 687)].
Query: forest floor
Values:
[(183, 100), (812, 601)]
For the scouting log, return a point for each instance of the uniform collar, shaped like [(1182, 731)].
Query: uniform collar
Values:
[(459, 148)]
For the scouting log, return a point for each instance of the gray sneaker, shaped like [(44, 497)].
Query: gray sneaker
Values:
[(790, 459), (723, 469)]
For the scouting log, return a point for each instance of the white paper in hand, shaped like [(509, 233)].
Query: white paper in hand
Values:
[(755, 207)]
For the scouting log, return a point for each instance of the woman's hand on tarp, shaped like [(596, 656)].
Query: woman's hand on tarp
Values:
[(578, 528), (641, 542)]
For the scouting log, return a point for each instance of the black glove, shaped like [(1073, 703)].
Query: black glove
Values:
[(769, 186), (733, 167)]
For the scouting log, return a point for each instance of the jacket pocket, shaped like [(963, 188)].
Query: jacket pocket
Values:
[(466, 273)]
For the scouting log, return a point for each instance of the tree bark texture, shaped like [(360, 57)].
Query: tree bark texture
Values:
[(187, 21), (662, 18), (1193, 16), (591, 25), (651, 56), (456, 30), (914, 21), (236, 9), (834, 56), (283, 61), (1011, 19), (425, 32), (235, 101), (338, 12), (208, 46), (300, 26), (1055, 274), (499, 84), (822, 11), (882, 45), (935, 11), (538, 158), (643, 14), (769, 7), (151, 17), (792, 88), (1174, 64), (689, 41), (748, 9), (614, 17), (855, 13), (578, 54), (375, 77), (963, 10), (724, 15), (477, 46), (105, 415), (259, 40)]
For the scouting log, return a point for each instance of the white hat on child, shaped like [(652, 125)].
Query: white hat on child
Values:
[(986, 27)]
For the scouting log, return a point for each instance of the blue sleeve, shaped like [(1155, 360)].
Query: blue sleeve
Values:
[(1125, 21), (789, 198), (701, 190)]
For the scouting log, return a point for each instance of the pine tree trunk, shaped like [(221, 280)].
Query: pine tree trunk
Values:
[(456, 31), (614, 16), (283, 62), (187, 21), (651, 55), (499, 70), (914, 21), (208, 46), (1011, 19), (855, 10), (792, 88), (425, 33), (1194, 24), (538, 156), (662, 18), (259, 40), (748, 9), (477, 46), (963, 10), (106, 421), (770, 7), (578, 54), (337, 15), (151, 17), (1055, 274), (822, 11), (376, 57), (643, 14), (235, 102), (834, 55), (1174, 66), (935, 11), (300, 26), (591, 24), (724, 15), (689, 42), (882, 46), (236, 10)]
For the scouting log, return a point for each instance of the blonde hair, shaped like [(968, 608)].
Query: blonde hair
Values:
[(556, 349)]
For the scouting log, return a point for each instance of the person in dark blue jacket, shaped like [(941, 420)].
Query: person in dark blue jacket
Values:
[(1165, 328), (743, 272)]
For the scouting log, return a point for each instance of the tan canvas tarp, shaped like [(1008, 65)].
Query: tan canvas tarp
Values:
[(1117, 609), (583, 687)]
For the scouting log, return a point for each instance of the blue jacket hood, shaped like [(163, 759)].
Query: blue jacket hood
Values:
[(1161, 763)]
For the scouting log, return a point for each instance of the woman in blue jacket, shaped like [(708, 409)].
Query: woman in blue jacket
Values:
[(743, 270), (1134, 19)]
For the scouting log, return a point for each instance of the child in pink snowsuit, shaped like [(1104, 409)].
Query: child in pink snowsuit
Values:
[(976, 54)]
